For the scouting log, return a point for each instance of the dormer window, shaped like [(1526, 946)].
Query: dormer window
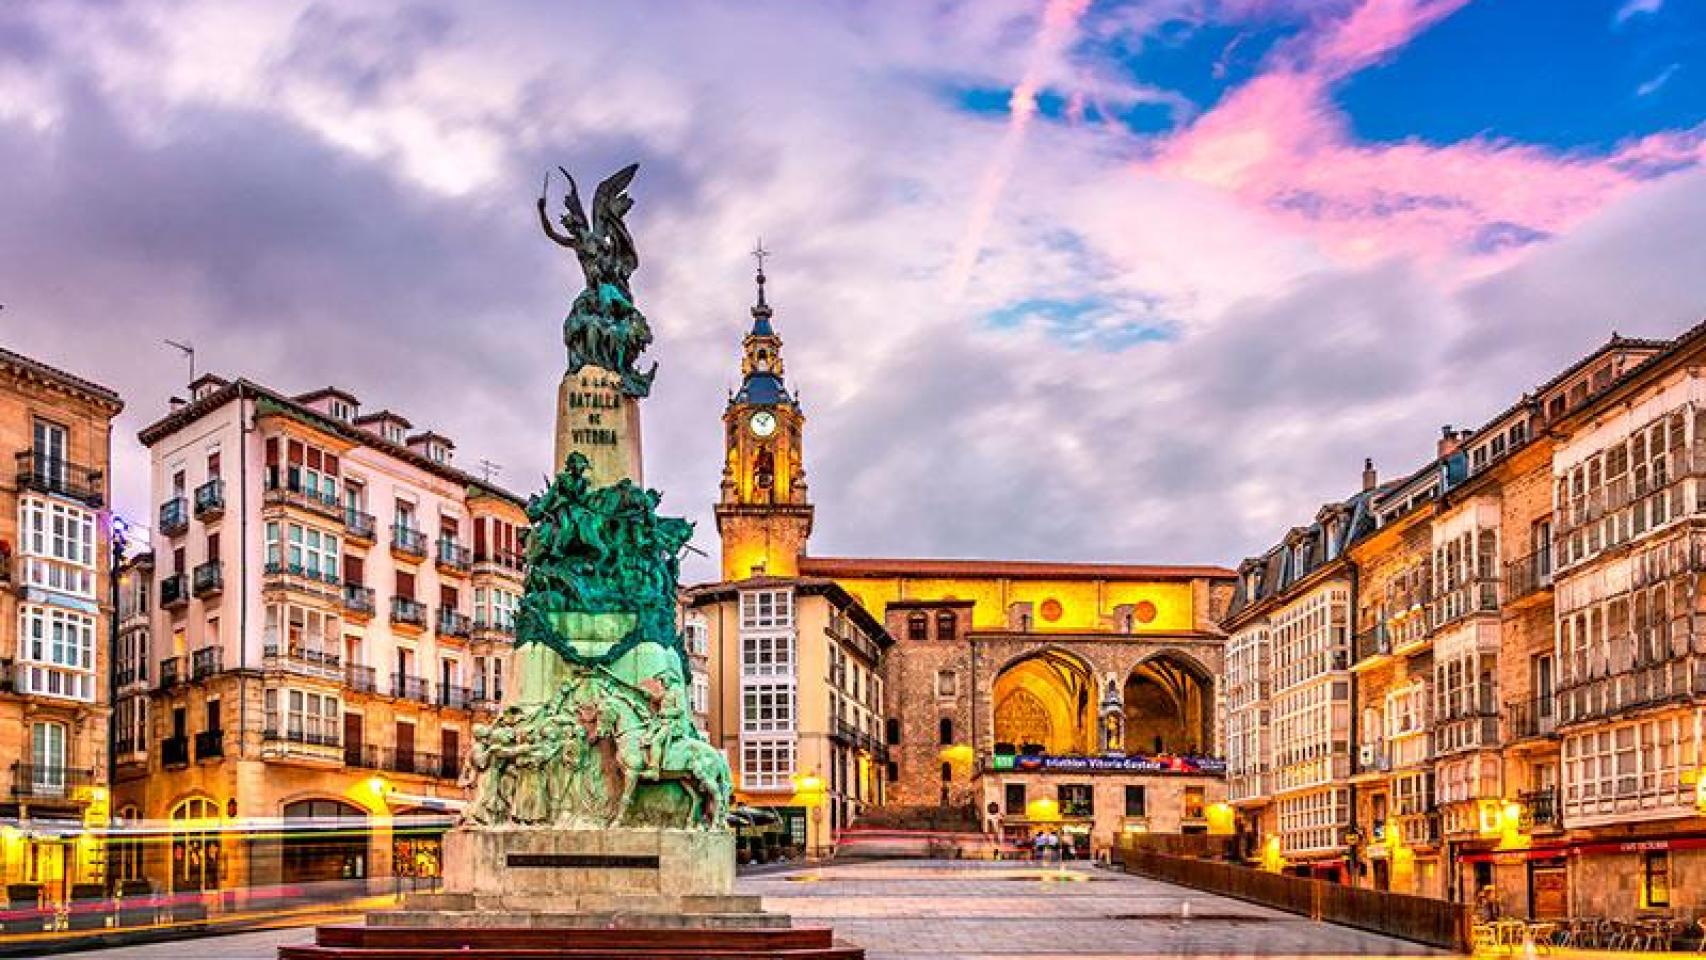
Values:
[(438, 453), (341, 410), (205, 390), (392, 432)]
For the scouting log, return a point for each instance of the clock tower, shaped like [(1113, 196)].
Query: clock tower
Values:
[(763, 516)]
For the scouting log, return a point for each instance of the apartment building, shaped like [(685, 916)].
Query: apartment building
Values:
[(55, 610), (331, 609), (1290, 705)]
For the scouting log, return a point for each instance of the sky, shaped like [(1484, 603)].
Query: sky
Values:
[(1057, 279)]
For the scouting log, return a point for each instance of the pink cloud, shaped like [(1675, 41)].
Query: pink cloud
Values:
[(1280, 144)]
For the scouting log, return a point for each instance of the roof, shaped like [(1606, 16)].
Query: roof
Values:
[(194, 410), (87, 389), (1278, 569), (427, 436), (1006, 569), (327, 391), (704, 593), (761, 387), (379, 415)]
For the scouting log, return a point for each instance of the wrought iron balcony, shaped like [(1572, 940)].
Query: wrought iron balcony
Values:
[(60, 477), (1529, 575), (453, 557), (175, 751), (361, 679), (312, 738), (486, 699), (209, 744), (358, 599), (172, 672), (49, 781), (453, 624), (358, 525), (406, 610), (502, 626), (510, 562), (174, 516), (407, 687), (408, 541), (454, 697), (174, 591), (206, 662), (210, 499), (1540, 808), (208, 578)]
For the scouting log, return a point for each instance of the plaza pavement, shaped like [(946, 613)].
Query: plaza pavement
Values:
[(900, 910)]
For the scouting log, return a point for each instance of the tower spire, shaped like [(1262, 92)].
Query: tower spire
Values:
[(761, 309)]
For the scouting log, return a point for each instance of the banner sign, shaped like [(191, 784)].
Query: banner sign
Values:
[(1045, 763)]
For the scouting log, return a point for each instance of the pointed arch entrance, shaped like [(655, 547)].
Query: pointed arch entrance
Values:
[(1045, 703), (1169, 706)]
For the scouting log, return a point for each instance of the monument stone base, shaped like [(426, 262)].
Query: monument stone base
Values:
[(519, 876)]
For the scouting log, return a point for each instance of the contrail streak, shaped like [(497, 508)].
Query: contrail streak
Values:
[(1060, 17)]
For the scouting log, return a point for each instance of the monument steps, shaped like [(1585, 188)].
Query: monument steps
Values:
[(350, 942)]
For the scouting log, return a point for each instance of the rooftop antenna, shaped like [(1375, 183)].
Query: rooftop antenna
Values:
[(489, 470), (188, 350)]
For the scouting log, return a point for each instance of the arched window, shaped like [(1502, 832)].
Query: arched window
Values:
[(917, 626), (945, 730), (946, 624), (195, 845)]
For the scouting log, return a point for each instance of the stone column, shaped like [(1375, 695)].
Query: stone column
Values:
[(596, 418)]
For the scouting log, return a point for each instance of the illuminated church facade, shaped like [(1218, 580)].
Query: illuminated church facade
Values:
[(1073, 697)]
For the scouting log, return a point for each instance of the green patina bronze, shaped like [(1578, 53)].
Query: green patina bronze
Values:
[(598, 731)]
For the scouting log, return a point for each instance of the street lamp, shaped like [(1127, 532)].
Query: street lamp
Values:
[(808, 792)]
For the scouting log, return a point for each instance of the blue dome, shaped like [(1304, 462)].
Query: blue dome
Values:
[(763, 388)]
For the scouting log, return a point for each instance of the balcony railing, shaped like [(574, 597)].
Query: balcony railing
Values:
[(358, 599), (206, 662), (1529, 719), (56, 475), (1528, 576), (359, 525), (408, 611), (175, 751), (454, 697), (174, 591), (208, 578), (172, 672), (374, 757), (303, 661), (1646, 685), (312, 738), (209, 744), (48, 781), (453, 556), (1479, 595), (210, 499), (484, 699), (361, 679), (503, 626), (1540, 808), (496, 561), (453, 624), (409, 687), (1374, 642), (285, 488), (174, 516), (408, 540)]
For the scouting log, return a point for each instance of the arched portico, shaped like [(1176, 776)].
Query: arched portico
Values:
[(1046, 700)]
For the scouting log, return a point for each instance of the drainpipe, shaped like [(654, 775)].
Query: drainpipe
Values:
[(243, 430)]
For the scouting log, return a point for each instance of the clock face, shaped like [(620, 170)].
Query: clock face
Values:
[(763, 423)]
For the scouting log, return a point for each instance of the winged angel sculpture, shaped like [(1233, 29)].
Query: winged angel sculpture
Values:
[(603, 329)]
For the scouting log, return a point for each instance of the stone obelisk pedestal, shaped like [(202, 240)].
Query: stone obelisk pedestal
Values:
[(595, 417)]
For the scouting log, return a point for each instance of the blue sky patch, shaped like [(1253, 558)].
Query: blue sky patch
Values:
[(1082, 322)]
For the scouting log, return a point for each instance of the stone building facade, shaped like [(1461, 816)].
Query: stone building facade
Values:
[(299, 660), (55, 612)]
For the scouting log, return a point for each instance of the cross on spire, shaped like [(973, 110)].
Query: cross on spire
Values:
[(761, 309)]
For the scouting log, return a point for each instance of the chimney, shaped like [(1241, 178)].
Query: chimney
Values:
[(176, 402), (1449, 440), (1370, 479)]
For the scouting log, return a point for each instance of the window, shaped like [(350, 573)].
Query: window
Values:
[(946, 624), (947, 684), (767, 655), (947, 772), (891, 731), (945, 730), (1076, 799), (763, 609), (342, 410), (917, 626), (1013, 799), (57, 544), (766, 763), (1655, 879), (301, 716), (52, 450), (299, 631), (47, 758), (767, 708), (1136, 800), (1193, 803), (303, 551), (701, 693), (57, 653)]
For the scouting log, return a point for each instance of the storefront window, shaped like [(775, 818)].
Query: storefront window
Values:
[(1655, 883)]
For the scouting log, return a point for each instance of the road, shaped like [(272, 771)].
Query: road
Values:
[(977, 911)]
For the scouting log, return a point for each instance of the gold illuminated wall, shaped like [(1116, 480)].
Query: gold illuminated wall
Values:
[(1056, 605)]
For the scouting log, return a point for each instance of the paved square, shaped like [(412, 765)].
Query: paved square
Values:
[(976, 911)]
